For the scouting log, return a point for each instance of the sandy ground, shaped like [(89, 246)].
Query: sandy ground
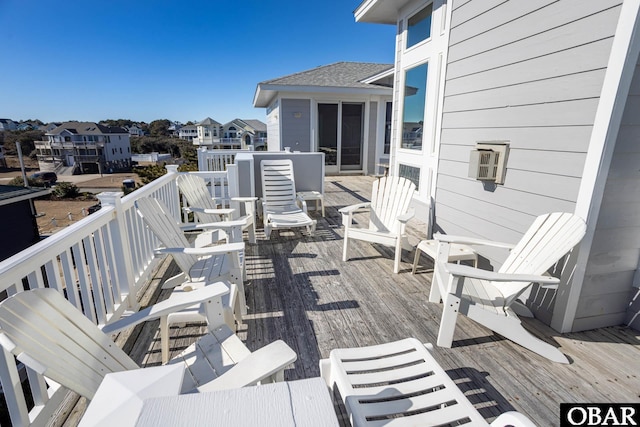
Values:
[(54, 216)]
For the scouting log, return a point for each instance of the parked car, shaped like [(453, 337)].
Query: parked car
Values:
[(49, 178)]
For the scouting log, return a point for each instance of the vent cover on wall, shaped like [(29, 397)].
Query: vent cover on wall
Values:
[(488, 161)]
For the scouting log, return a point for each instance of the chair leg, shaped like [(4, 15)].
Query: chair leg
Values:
[(164, 338), (345, 246), (416, 259), (398, 256)]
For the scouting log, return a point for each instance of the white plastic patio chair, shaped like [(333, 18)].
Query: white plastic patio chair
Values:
[(49, 335), (201, 264), (388, 216), (491, 298), (279, 201), (400, 384), (207, 209)]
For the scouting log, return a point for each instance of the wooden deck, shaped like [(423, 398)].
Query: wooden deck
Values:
[(300, 291)]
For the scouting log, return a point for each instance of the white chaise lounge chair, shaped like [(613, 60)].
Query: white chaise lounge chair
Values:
[(279, 208), (48, 334), (389, 213), (400, 384), (491, 298)]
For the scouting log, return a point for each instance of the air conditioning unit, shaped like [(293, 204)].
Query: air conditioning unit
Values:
[(488, 161)]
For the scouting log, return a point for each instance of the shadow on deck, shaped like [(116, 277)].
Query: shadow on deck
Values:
[(300, 291)]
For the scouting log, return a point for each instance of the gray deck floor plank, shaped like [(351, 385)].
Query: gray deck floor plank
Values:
[(299, 290)]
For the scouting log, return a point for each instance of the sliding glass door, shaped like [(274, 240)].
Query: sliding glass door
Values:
[(340, 135)]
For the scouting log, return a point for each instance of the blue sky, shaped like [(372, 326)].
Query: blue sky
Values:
[(180, 60)]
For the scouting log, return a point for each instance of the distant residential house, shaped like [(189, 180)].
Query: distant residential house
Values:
[(245, 132), (341, 109), (7, 124), (18, 227), (49, 126), (547, 95), (175, 129), (209, 133), (27, 126), (188, 132), (134, 130), (88, 147)]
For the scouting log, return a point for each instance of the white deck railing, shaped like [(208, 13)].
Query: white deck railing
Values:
[(99, 264), (216, 160)]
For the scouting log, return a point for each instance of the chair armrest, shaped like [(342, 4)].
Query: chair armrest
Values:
[(176, 302), (471, 241), (355, 208), (208, 250), (261, 364), (223, 225), (225, 211), (406, 217), (244, 199), (476, 273)]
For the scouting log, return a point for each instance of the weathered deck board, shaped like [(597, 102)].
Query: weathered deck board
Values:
[(300, 291)]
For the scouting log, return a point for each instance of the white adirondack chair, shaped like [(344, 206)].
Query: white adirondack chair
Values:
[(200, 264), (389, 213), (207, 210), (49, 335), (401, 384), (279, 207), (491, 298)]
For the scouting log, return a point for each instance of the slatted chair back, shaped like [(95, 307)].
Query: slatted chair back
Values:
[(390, 198), (278, 185), (194, 189), (548, 239), (155, 215), (54, 338)]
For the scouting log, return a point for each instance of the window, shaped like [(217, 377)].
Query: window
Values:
[(419, 26), (387, 129), (415, 91), (412, 173)]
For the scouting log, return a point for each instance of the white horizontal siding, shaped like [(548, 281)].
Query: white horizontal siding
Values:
[(581, 85), (579, 59), (564, 163), (529, 73), (567, 138)]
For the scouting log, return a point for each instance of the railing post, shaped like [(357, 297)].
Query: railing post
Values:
[(202, 159), (175, 196), (120, 244)]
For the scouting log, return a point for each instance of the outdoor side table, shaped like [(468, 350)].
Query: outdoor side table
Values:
[(313, 195), (457, 253)]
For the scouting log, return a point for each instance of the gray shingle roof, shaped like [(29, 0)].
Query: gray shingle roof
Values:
[(339, 74), (208, 121), (86, 128), (256, 124)]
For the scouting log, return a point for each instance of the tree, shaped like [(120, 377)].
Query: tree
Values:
[(160, 127), (26, 138)]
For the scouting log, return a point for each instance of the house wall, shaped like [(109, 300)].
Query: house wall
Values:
[(529, 73), (273, 126), (113, 147), (19, 229), (371, 138), (295, 117), (608, 288)]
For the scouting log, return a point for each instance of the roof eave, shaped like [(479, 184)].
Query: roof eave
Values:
[(379, 11), (266, 93)]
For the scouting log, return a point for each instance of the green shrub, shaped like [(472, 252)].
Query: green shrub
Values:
[(18, 181), (65, 190)]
